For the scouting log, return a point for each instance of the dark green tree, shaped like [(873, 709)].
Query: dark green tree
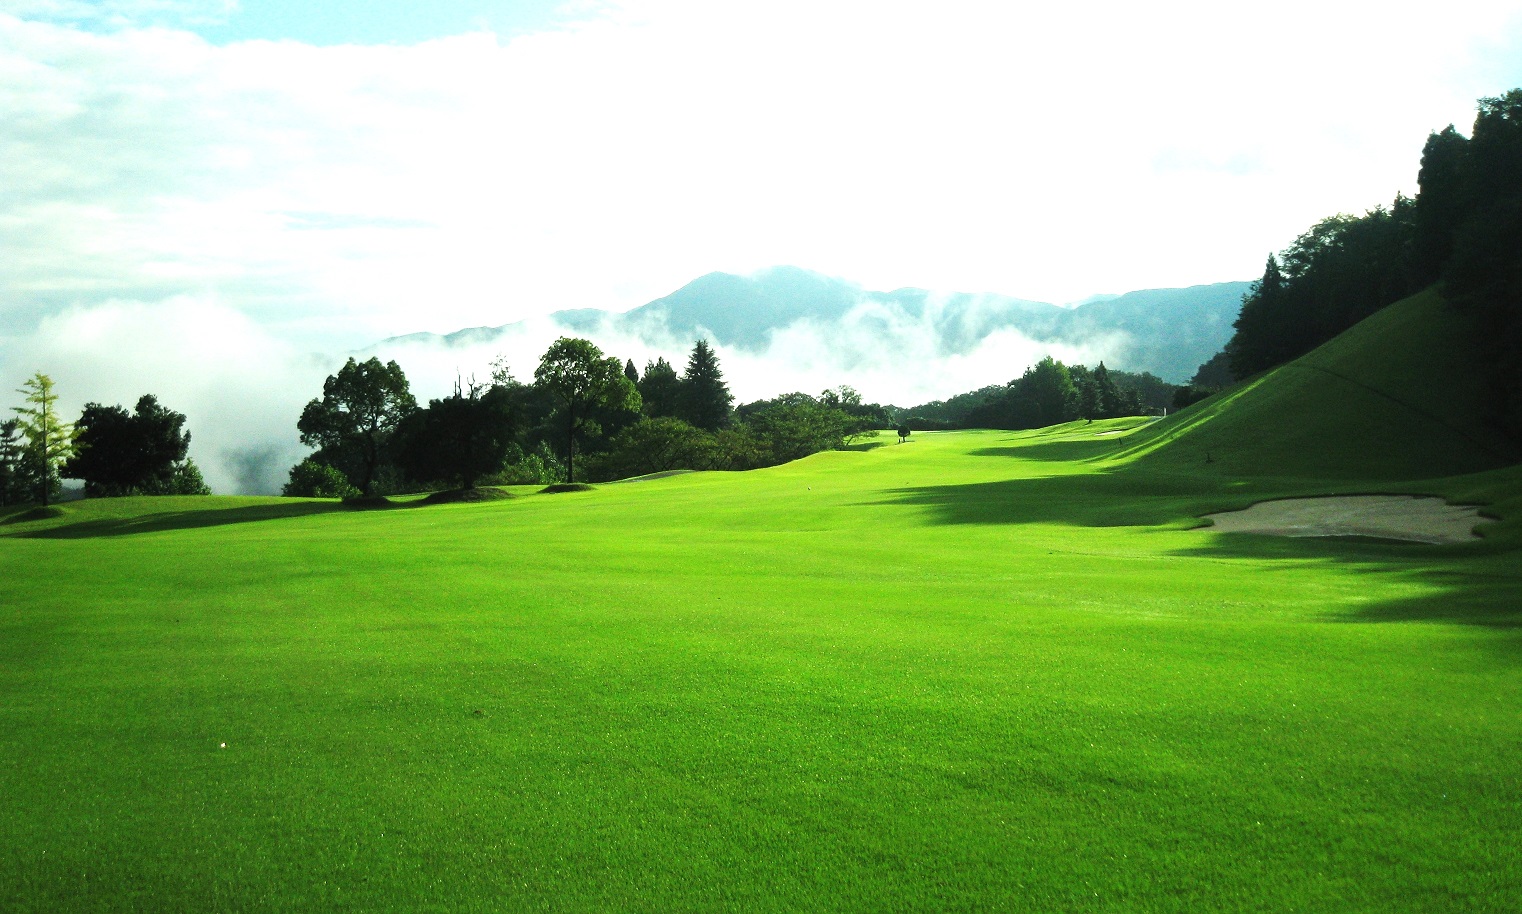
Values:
[(867, 418), (184, 479), (1441, 203), (659, 388), (1107, 396), (1260, 340), (460, 438), (351, 425), (1339, 272), (1086, 399), (904, 432), (1048, 389), (310, 479), (795, 425), (1484, 273), (121, 453), (703, 399), (581, 381), (655, 446), (1215, 373), (631, 373), (12, 489)]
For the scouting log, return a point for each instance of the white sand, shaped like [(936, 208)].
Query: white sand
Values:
[(1419, 519)]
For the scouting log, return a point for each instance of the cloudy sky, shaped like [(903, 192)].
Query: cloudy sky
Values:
[(208, 199)]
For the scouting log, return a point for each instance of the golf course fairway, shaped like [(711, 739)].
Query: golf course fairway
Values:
[(974, 671)]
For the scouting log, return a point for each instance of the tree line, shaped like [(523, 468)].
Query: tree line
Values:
[(585, 416), (113, 451), (1463, 231), (1048, 393)]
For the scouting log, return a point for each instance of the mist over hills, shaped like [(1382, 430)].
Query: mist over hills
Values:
[(1168, 332)]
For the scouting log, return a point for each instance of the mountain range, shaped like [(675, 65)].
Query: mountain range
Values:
[(1168, 332)]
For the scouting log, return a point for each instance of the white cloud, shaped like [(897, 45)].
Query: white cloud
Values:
[(331, 196), (1045, 152), (240, 388)]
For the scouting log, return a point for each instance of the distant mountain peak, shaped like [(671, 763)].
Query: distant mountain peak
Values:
[(1168, 332)]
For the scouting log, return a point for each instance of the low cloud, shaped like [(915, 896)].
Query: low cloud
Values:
[(889, 356), (240, 388)]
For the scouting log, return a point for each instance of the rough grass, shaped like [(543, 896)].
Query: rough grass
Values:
[(990, 671)]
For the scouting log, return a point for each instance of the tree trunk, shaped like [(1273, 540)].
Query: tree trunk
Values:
[(47, 476)]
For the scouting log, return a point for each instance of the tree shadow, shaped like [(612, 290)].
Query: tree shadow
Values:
[(1103, 499), (1477, 584), (177, 520), (1060, 451), (1467, 584)]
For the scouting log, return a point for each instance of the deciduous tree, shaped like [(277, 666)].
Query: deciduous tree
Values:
[(460, 438), (655, 446), (359, 410), (122, 453), (310, 479), (581, 381)]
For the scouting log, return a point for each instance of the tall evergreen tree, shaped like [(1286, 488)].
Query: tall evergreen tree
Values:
[(631, 372), (704, 399), (11, 488), (1484, 274), (49, 439), (1107, 396), (1441, 203), (658, 389), (1259, 339)]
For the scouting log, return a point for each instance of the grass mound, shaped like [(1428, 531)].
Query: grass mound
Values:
[(368, 502), (477, 494), (649, 477), (565, 487), (1395, 397), (50, 512)]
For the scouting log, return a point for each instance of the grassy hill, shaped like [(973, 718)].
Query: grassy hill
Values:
[(1395, 397), (975, 671)]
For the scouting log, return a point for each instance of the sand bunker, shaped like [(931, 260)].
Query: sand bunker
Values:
[(1419, 519)]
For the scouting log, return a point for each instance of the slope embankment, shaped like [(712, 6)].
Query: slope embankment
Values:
[(1394, 398)]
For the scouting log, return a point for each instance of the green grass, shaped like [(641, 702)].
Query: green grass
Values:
[(1394, 398), (978, 671)]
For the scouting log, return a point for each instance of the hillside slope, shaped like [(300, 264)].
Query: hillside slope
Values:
[(1394, 397)]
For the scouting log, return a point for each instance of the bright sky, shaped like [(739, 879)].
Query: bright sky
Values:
[(185, 181)]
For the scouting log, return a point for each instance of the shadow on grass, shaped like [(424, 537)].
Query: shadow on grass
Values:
[(865, 446), (1067, 451), (177, 520), (1475, 584), (1469, 584), (1104, 499)]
